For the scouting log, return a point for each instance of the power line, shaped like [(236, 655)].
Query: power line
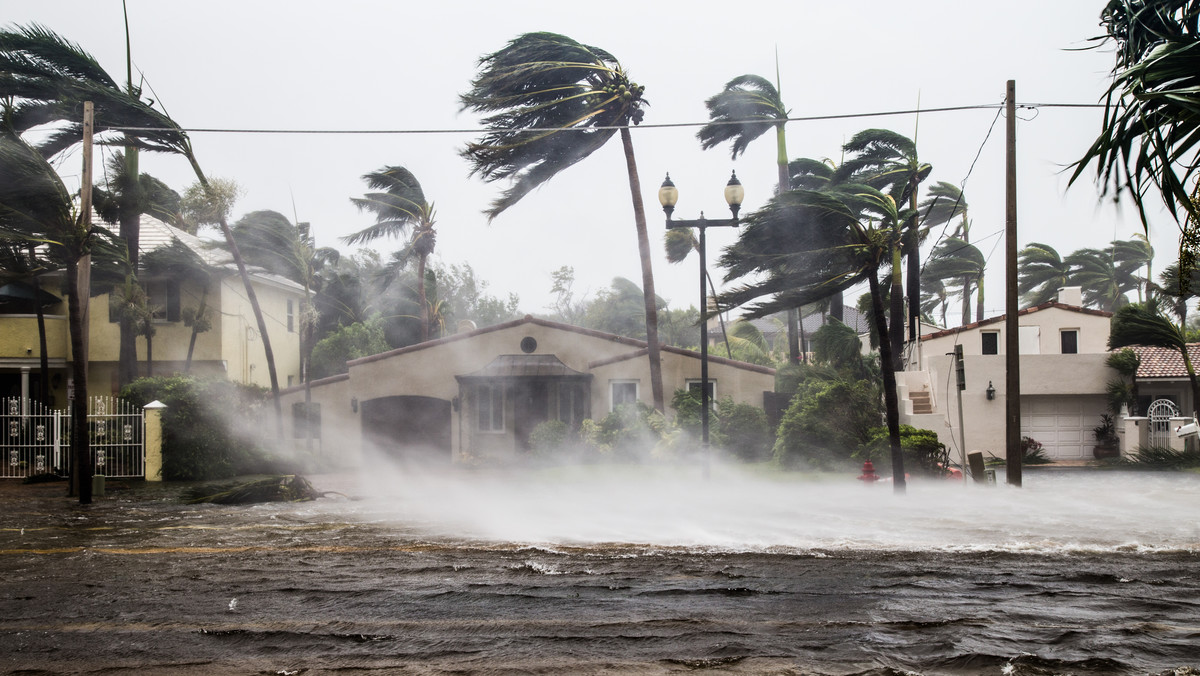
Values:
[(668, 125)]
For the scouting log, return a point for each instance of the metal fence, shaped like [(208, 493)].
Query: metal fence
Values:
[(35, 439)]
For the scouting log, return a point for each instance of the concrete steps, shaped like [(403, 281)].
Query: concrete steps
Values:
[(921, 403)]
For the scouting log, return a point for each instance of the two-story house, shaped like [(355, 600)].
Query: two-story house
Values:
[(231, 347), (1063, 349)]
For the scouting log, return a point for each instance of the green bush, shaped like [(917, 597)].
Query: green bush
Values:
[(362, 339), (208, 426), (923, 453), (549, 437), (827, 421), (1162, 457), (631, 431), (743, 430)]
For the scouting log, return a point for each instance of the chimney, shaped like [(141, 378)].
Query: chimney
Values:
[(1071, 295)]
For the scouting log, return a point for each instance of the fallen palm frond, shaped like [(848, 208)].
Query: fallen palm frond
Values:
[(286, 488)]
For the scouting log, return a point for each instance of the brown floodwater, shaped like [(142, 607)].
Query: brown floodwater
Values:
[(608, 571)]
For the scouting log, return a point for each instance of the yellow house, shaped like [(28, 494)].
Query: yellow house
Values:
[(232, 347)]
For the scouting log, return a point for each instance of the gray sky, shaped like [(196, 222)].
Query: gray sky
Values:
[(361, 65)]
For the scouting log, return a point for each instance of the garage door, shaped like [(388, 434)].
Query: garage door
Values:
[(408, 427), (1063, 425)]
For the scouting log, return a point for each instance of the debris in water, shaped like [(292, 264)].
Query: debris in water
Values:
[(233, 605), (286, 488)]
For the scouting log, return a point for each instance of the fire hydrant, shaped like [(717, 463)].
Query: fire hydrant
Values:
[(868, 473)]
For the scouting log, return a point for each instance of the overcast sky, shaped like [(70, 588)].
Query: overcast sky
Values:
[(387, 65)]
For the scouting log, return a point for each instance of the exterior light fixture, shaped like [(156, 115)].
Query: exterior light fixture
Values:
[(668, 196), (991, 391), (354, 404)]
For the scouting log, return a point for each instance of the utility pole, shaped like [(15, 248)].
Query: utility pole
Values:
[(1012, 345)]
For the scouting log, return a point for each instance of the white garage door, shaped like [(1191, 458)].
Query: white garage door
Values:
[(1062, 424)]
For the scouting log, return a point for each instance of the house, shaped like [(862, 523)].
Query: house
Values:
[(480, 394), (1064, 378), (231, 348)]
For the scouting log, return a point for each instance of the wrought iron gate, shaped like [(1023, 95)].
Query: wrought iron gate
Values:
[(35, 439), (1160, 413)]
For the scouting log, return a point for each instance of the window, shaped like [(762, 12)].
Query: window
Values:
[(1069, 338), (489, 404), (162, 297), (570, 399), (624, 392), (694, 388), (291, 316), (991, 342)]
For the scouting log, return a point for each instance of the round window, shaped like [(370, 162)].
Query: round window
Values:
[(528, 344)]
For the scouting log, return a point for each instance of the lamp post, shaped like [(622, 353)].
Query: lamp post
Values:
[(668, 195)]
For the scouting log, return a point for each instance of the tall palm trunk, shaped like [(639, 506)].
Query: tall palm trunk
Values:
[(421, 298), (914, 269), (187, 367), (43, 358), (639, 219), (254, 306), (785, 184), (130, 231), (896, 329), (891, 402)]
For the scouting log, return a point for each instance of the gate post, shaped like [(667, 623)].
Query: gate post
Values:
[(154, 460)]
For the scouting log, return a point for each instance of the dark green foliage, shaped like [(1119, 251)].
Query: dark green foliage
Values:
[(743, 430), (827, 421), (923, 453), (1032, 453), (209, 426), (288, 488), (1161, 457), (330, 354), (1123, 391), (549, 437), (837, 345), (631, 431), (688, 412)]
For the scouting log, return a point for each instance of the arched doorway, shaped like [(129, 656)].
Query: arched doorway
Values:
[(408, 428)]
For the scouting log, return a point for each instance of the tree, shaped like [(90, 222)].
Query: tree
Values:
[(962, 265), (400, 208), (813, 243), (744, 110), (35, 207), (47, 80), (361, 339), (468, 298), (1041, 272), (618, 309), (550, 102), (886, 160), (1104, 282), (1143, 324), (943, 203), (1149, 139)]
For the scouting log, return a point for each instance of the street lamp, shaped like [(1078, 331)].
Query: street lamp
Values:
[(668, 195)]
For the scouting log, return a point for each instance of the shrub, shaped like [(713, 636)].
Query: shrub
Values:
[(1162, 457), (208, 426), (548, 437), (743, 430), (923, 453), (629, 432), (827, 421)]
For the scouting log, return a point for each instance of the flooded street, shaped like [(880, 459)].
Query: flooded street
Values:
[(609, 571)]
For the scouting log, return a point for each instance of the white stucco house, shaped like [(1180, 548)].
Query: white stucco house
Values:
[(1063, 348), (481, 393)]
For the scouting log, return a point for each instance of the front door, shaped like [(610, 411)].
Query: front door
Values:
[(531, 407)]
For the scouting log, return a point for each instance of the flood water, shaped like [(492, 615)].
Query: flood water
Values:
[(610, 570)]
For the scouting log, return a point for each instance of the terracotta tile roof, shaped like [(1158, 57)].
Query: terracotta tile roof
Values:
[(1161, 362)]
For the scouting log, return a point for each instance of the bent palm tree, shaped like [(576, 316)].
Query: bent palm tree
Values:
[(747, 107), (1149, 139), (400, 208), (884, 159), (550, 102), (1041, 272), (963, 265), (810, 244)]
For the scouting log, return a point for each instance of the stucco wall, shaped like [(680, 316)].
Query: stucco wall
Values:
[(241, 344)]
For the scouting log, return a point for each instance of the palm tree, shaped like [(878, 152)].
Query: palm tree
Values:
[(810, 244), (19, 261), (886, 160), (1130, 256), (1104, 282), (1178, 291), (963, 266), (744, 110), (47, 79), (551, 102), (400, 208), (1143, 324), (1041, 272), (1149, 139), (35, 207)]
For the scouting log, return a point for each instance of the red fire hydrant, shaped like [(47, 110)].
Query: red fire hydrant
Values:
[(868, 473)]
